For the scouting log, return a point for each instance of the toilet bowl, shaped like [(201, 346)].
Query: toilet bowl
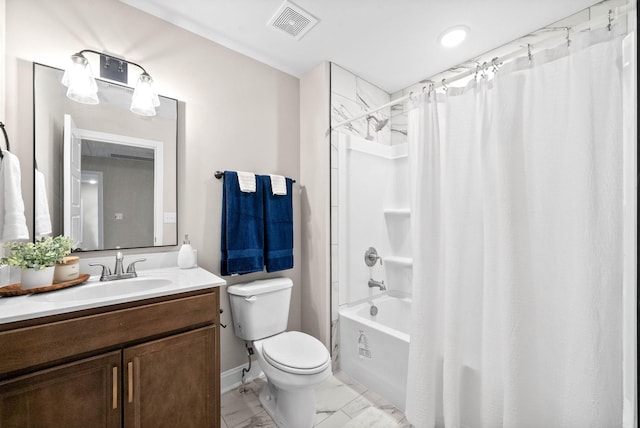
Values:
[(293, 362)]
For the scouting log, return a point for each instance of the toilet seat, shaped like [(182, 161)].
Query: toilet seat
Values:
[(296, 352)]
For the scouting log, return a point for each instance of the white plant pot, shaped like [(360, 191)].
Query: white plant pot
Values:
[(32, 278)]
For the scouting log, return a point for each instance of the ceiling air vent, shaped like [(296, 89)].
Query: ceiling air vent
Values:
[(293, 20)]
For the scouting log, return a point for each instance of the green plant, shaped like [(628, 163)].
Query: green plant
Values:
[(38, 255)]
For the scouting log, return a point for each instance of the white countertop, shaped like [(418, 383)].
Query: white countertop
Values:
[(20, 308)]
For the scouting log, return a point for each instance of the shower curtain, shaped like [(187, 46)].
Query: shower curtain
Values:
[(516, 187)]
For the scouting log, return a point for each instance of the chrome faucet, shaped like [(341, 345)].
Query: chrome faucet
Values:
[(119, 272), (379, 284)]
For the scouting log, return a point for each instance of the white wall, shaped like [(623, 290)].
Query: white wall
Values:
[(235, 113)]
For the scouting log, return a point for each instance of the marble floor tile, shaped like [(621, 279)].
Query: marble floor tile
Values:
[(404, 423), (338, 400), (336, 420), (357, 406), (260, 420), (332, 395), (348, 380), (237, 407)]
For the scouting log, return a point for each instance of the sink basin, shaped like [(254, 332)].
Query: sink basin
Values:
[(106, 289)]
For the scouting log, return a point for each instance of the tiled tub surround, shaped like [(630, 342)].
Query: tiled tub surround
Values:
[(352, 96), (339, 400), (370, 180)]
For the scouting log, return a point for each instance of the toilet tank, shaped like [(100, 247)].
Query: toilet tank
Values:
[(260, 308)]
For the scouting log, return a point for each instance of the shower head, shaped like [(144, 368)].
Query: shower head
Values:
[(381, 124), (377, 126)]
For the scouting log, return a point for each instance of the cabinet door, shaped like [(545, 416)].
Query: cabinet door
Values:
[(80, 394), (171, 383)]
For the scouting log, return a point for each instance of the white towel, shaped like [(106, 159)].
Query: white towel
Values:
[(43, 217), (13, 225), (278, 184), (247, 181)]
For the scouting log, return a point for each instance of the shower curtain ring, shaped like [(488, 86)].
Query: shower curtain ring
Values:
[(495, 65), (444, 85), (610, 20), (529, 52), (568, 37)]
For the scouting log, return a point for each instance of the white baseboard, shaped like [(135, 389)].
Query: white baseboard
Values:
[(232, 378)]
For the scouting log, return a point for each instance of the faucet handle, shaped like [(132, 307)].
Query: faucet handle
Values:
[(371, 257), (105, 269), (132, 266)]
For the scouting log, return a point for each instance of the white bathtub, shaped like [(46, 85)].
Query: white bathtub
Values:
[(374, 350)]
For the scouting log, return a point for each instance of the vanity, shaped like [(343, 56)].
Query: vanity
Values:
[(142, 352)]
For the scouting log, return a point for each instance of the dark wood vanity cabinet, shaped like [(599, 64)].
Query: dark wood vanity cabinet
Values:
[(75, 395), (170, 382), (152, 365)]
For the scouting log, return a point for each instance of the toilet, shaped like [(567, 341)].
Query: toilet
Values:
[(293, 362)]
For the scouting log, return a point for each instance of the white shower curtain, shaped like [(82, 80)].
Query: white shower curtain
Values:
[(517, 244)]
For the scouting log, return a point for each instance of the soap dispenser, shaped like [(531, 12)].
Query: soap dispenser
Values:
[(186, 255)]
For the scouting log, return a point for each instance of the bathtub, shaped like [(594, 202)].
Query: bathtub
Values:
[(374, 350)]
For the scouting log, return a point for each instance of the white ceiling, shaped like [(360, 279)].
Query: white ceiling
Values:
[(390, 43)]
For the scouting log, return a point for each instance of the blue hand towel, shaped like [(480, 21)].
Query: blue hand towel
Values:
[(278, 226), (242, 238)]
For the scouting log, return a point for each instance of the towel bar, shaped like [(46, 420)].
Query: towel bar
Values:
[(220, 174)]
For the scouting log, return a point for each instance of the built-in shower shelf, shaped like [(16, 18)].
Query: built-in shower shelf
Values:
[(399, 261), (397, 212)]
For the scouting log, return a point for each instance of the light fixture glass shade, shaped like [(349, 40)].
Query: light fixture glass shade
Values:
[(453, 36), (144, 100), (79, 80)]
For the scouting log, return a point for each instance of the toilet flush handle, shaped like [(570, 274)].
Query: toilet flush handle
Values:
[(251, 299)]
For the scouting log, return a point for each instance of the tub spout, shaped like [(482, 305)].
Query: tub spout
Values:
[(379, 284)]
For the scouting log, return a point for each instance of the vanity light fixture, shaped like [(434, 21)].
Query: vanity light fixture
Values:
[(453, 36), (82, 86)]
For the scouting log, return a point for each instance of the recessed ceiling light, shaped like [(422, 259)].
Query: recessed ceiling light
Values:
[(453, 36)]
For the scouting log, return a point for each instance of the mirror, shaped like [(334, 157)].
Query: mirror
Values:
[(103, 175)]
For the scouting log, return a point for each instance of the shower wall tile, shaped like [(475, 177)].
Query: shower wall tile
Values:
[(352, 96), (399, 125), (334, 187), (334, 263), (343, 82), (398, 120), (334, 150), (334, 225), (343, 108), (369, 95)]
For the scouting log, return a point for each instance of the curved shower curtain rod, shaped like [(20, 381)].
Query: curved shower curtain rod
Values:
[(520, 51)]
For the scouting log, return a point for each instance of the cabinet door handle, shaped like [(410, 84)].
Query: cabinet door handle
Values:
[(130, 380), (114, 385)]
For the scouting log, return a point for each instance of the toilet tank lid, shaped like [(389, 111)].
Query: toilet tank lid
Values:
[(260, 286)]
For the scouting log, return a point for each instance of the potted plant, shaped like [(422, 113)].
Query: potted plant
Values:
[(37, 259)]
